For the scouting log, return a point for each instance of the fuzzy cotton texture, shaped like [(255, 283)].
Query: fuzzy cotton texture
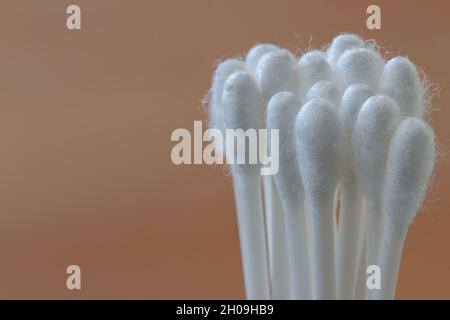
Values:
[(402, 82), (276, 72)]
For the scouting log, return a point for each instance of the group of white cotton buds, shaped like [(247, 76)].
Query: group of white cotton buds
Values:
[(352, 140)]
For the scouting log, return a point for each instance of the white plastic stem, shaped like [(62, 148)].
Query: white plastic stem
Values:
[(348, 237), (323, 250), (276, 236), (297, 243), (247, 190), (361, 277), (336, 205), (391, 248), (374, 230)]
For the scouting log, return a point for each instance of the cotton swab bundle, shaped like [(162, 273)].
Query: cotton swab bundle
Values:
[(343, 147)]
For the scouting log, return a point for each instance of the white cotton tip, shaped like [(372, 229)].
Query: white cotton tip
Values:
[(242, 105), (255, 54), (223, 71), (281, 112), (341, 44), (312, 67), (402, 82), (360, 65), (277, 71), (241, 101), (325, 89), (371, 135), (409, 167), (318, 138), (351, 102)]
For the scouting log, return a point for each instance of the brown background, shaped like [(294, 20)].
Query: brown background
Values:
[(85, 124)]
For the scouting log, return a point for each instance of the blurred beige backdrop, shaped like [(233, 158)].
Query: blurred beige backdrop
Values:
[(85, 124)]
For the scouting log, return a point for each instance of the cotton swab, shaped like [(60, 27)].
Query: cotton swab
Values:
[(325, 89), (409, 167), (371, 136), (401, 81), (254, 55), (312, 68), (340, 44), (317, 130), (360, 66), (354, 65), (281, 112), (216, 112), (352, 100), (276, 71), (348, 236), (242, 105)]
